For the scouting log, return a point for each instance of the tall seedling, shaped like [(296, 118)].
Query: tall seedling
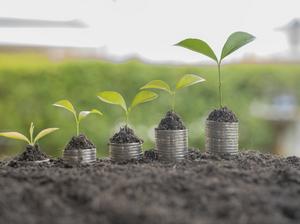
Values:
[(235, 41)]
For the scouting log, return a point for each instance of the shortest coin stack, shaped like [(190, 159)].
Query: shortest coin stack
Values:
[(121, 152), (222, 137), (76, 156), (171, 145)]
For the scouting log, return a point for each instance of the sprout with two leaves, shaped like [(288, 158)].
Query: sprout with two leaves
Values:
[(78, 117), (185, 81), (116, 98), (126, 135), (31, 140), (235, 41)]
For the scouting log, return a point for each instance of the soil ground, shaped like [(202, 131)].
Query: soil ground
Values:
[(248, 188)]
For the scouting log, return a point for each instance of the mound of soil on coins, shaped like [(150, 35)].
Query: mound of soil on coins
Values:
[(80, 142), (171, 121), (125, 135), (222, 115)]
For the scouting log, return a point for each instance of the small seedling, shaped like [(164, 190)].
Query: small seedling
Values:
[(81, 115), (31, 141), (235, 41), (185, 81), (116, 98)]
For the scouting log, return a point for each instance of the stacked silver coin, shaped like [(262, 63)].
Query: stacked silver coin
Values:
[(222, 137), (171, 145), (121, 152), (74, 156)]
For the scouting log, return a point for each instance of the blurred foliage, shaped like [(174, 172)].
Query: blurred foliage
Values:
[(30, 84)]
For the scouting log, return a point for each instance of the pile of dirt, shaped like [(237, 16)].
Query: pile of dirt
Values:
[(80, 142), (222, 115), (150, 155), (125, 135), (171, 121), (247, 188), (32, 153)]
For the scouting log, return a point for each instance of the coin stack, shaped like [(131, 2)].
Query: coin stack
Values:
[(80, 155), (222, 137), (121, 152), (171, 145)]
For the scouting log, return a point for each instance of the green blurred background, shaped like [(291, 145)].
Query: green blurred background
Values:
[(31, 83)]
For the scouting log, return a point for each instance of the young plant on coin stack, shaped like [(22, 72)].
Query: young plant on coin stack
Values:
[(222, 123), (171, 135), (79, 149), (125, 145)]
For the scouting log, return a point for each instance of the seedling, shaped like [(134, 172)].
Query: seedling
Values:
[(31, 141), (235, 41), (185, 81), (78, 117), (116, 98)]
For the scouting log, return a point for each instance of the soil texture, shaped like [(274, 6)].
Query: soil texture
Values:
[(247, 188), (31, 153), (79, 142), (125, 135), (171, 121), (222, 115)]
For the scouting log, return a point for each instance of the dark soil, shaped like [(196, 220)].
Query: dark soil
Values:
[(222, 115), (250, 188), (32, 153), (80, 142), (125, 135), (171, 121)]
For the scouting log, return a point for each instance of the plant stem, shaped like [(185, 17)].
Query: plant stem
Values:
[(127, 118), (31, 133), (220, 85), (31, 139), (77, 124), (173, 100), (77, 128)]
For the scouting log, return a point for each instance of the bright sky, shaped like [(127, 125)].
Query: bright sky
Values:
[(149, 28)]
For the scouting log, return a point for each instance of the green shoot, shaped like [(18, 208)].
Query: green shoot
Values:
[(185, 81), (78, 117), (235, 41), (116, 98), (31, 141)]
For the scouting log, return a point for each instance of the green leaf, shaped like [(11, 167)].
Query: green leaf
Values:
[(44, 133), (15, 135), (188, 80), (66, 104), (157, 84), (235, 41), (83, 114), (199, 46), (143, 97), (112, 97)]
